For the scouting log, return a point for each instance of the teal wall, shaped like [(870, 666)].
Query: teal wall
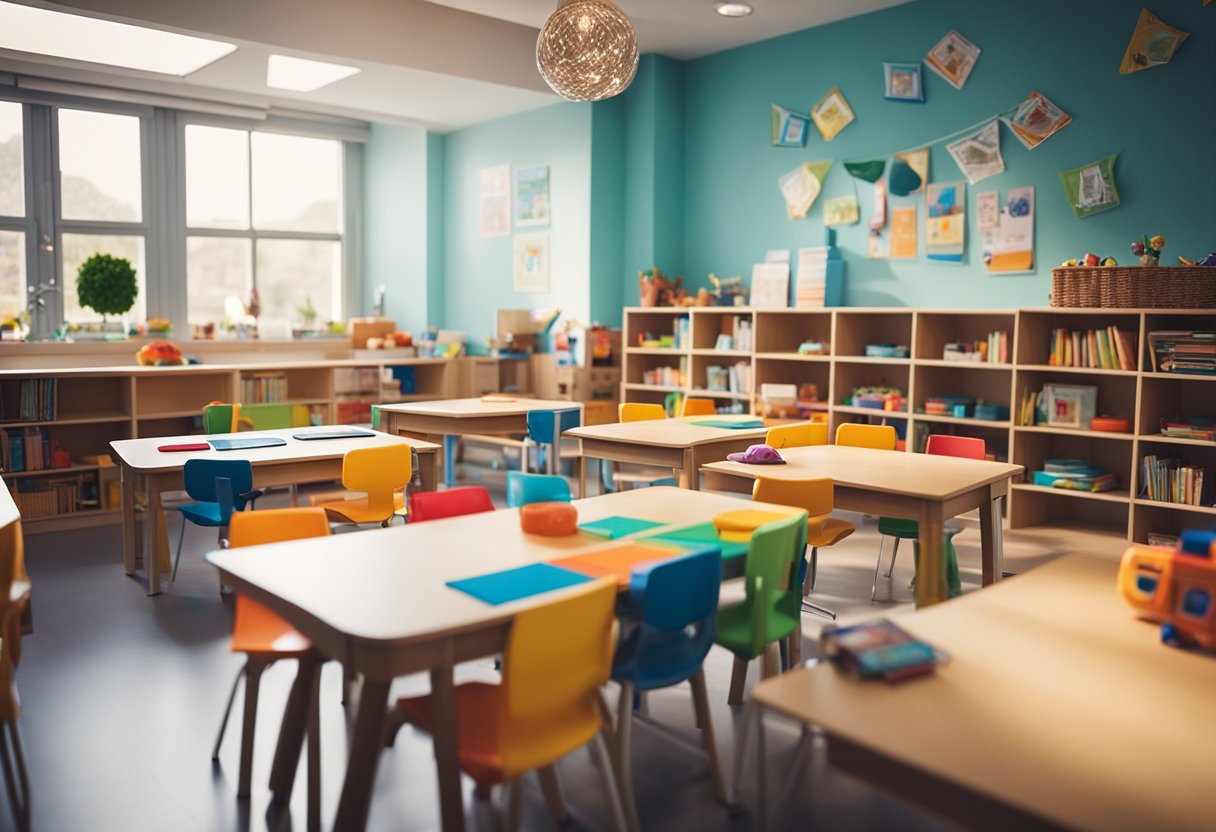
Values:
[(477, 269), (397, 224), (434, 229), (1161, 122), (607, 211)]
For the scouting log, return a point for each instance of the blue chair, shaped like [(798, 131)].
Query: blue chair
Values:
[(201, 476), (668, 623), (523, 489), (545, 428)]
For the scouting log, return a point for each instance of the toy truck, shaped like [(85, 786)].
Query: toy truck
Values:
[(1175, 588)]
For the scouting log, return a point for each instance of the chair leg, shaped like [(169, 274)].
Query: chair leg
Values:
[(742, 740), (314, 755), (600, 751), (176, 558), (810, 606), (624, 731), (219, 739), (253, 678), (894, 555), (813, 572), (551, 787), (878, 566), (700, 703), (771, 661), (738, 678), (514, 808), (17, 782)]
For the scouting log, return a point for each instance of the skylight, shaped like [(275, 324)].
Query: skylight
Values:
[(301, 75), (78, 38)]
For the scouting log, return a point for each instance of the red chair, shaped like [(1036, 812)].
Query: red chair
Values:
[(435, 505)]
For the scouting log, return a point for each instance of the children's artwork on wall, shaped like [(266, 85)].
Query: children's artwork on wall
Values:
[(876, 245), (771, 285), (867, 171), (902, 179), (918, 160), (841, 210), (789, 128), (953, 58), (946, 216), (903, 82), (496, 201), (530, 268), (903, 232), (1153, 43), (801, 186), (832, 114), (987, 210), (878, 215), (1091, 188), (1035, 119), (532, 196), (1008, 246), (979, 156)]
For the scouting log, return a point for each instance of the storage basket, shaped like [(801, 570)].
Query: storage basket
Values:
[(1134, 287)]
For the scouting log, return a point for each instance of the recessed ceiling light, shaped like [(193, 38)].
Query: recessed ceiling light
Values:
[(61, 35), (301, 75), (733, 9)]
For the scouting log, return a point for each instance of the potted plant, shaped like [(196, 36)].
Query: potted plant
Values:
[(107, 285), (308, 318)]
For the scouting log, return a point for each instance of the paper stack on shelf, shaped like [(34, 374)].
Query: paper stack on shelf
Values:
[(1183, 352)]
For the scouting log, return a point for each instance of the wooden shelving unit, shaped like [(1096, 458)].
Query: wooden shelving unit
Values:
[(1140, 394)]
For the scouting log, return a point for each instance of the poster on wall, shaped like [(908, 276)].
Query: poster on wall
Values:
[(953, 58), (1035, 119), (1153, 43), (1091, 188), (979, 156), (903, 232), (530, 263), (946, 215), (1008, 246), (801, 186), (903, 82), (496, 201), (918, 162), (789, 128), (841, 210), (532, 196), (832, 114)]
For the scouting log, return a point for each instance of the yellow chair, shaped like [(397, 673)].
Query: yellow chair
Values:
[(638, 412), (634, 474), (798, 435), (548, 704), (261, 634), (14, 598), (383, 474), (698, 407), (878, 437)]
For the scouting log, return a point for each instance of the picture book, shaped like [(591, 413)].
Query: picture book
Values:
[(878, 649)]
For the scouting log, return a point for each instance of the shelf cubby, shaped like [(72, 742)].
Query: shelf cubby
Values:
[(783, 331), (936, 329), (855, 329), (1035, 326)]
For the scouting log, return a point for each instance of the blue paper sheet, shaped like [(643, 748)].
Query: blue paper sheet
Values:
[(616, 527), (244, 444), (514, 584), (731, 424)]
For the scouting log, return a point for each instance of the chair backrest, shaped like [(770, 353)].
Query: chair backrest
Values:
[(698, 407), (669, 620), (380, 472), (272, 525), (798, 435), (221, 418), (814, 495), (14, 596), (557, 657), (541, 423), (879, 437), (770, 577), (638, 412), (200, 474), (535, 488), (943, 444), (435, 505), (375, 417)]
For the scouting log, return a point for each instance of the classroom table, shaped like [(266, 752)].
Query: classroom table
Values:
[(378, 602), (679, 444), (296, 462), (1057, 708), (925, 488), (493, 415)]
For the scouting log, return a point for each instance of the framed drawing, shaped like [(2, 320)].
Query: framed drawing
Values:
[(903, 82), (832, 114), (530, 263), (789, 128), (532, 196)]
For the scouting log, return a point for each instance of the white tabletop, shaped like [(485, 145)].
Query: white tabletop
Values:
[(670, 433), (485, 406)]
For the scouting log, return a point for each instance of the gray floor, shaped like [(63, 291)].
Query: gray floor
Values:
[(122, 696)]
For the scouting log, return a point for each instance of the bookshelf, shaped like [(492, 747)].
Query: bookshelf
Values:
[(1138, 393)]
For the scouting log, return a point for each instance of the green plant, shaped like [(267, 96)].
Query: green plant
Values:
[(107, 285), (308, 312)]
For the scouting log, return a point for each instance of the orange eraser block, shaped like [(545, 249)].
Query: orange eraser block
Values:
[(550, 519)]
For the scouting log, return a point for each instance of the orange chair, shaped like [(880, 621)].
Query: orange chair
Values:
[(879, 437), (260, 634), (383, 473), (637, 474), (797, 435), (698, 407), (548, 704), (638, 412), (14, 599)]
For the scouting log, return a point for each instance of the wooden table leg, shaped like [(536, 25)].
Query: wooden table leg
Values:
[(991, 538), (128, 520), (428, 467), (291, 733), (153, 526), (447, 761), (582, 476), (690, 477), (365, 748), (930, 569)]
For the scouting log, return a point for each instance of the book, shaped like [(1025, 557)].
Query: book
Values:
[(878, 649)]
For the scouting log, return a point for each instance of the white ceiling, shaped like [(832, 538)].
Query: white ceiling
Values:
[(442, 65)]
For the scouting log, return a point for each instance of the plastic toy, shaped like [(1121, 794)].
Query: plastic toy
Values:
[(1089, 259), (758, 455), (1148, 249), (159, 353), (1176, 589), (1210, 260)]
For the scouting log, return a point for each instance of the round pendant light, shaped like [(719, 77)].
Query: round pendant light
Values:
[(587, 50)]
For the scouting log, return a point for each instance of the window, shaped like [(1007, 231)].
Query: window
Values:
[(12, 205), (264, 211)]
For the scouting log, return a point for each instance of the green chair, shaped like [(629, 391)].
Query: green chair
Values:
[(772, 606)]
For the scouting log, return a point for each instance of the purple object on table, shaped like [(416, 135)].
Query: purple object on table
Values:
[(758, 455)]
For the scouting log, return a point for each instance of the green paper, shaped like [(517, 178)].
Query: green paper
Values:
[(1091, 188), (820, 169), (870, 171), (695, 537), (731, 424), (616, 527)]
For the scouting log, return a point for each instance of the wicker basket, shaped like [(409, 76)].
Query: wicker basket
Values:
[(1134, 287)]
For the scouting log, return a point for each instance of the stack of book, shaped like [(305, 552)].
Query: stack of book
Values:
[(993, 350), (1169, 481), (879, 398), (737, 378), (877, 650), (1076, 475), (1183, 352), (1194, 427), (38, 400), (681, 335), (264, 388), (666, 376), (1104, 349)]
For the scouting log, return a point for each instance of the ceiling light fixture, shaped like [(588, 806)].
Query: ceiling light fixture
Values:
[(78, 38), (733, 9), (587, 50), (303, 75)]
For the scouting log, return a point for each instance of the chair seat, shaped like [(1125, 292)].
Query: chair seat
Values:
[(257, 629), (827, 532), (641, 473), (357, 510), (668, 662), (735, 629), (906, 529), (202, 514)]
